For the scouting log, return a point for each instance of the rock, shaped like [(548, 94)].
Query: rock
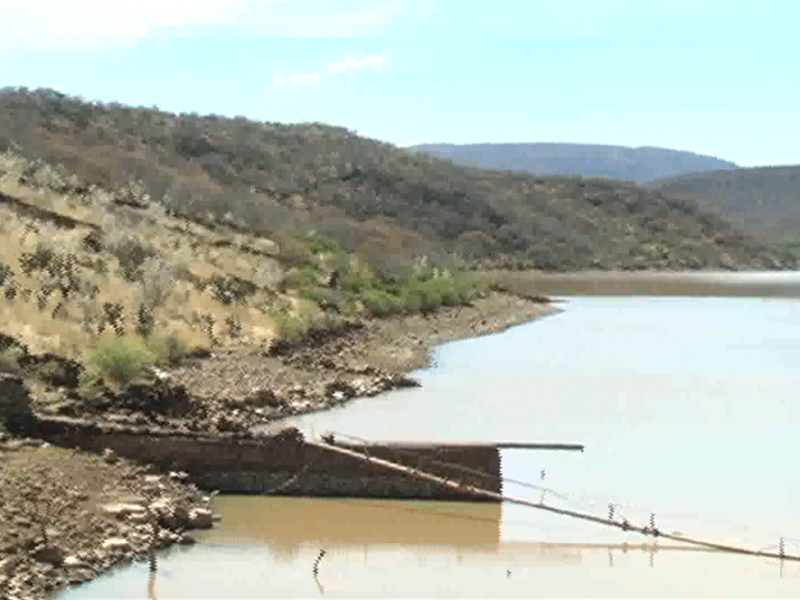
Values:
[(264, 397), (49, 554), (65, 408), (161, 375), (201, 518), (152, 479), (8, 564), (138, 518), (109, 456), (170, 515), (166, 537), (187, 540), (178, 475), (131, 499), (73, 562), (123, 510), (116, 545)]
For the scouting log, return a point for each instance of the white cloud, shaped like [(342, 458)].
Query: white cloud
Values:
[(55, 24), (376, 62), (296, 79), (305, 78), (52, 24)]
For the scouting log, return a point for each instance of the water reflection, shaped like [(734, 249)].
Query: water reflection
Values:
[(287, 524)]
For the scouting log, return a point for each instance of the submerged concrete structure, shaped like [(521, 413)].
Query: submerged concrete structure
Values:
[(285, 464)]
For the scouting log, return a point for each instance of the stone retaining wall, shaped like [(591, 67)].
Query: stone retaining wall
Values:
[(262, 465)]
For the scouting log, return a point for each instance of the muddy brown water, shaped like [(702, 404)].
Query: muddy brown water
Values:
[(688, 406)]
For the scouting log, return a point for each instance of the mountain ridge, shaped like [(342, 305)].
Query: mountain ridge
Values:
[(642, 164)]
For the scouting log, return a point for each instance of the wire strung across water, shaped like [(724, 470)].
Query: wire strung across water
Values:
[(624, 524)]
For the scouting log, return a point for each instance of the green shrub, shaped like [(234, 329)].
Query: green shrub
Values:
[(90, 385), (123, 360), (326, 298), (357, 278), (301, 277), (291, 327), (381, 303), (9, 360), (321, 244)]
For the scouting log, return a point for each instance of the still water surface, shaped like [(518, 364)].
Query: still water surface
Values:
[(688, 408)]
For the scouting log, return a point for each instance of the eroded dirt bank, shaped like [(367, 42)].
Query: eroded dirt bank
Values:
[(237, 389)]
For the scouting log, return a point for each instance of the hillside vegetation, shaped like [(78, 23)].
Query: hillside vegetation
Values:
[(643, 164), (76, 270), (764, 201), (392, 205)]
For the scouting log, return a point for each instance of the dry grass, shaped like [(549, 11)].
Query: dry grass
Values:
[(182, 253)]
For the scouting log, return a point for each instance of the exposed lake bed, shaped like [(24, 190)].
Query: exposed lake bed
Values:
[(685, 404)]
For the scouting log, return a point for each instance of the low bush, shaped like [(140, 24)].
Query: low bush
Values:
[(291, 327), (10, 360), (122, 360)]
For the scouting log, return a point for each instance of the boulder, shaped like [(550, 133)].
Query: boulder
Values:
[(73, 562), (50, 554), (201, 518), (8, 565), (123, 510), (187, 540), (116, 545)]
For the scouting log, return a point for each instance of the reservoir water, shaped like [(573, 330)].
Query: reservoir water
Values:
[(689, 410)]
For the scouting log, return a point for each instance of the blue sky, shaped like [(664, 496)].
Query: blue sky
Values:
[(716, 77)]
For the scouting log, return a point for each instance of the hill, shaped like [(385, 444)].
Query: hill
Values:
[(394, 205), (764, 201), (644, 164)]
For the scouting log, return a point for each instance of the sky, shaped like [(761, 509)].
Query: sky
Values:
[(713, 77)]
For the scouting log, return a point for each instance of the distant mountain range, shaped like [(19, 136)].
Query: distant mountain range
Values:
[(763, 200), (642, 165)]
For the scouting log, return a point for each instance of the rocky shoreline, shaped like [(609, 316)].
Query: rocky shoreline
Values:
[(109, 503), (69, 516)]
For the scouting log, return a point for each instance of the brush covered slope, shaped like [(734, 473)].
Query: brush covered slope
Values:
[(386, 203), (764, 201)]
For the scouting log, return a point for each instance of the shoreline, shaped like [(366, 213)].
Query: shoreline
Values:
[(96, 532)]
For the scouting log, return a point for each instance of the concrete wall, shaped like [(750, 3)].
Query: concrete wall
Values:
[(271, 464)]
